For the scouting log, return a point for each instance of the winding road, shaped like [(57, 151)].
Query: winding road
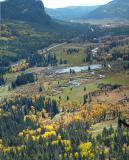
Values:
[(57, 45)]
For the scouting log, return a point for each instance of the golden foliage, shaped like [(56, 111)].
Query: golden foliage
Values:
[(86, 150), (67, 145), (19, 67), (49, 134), (49, 127)]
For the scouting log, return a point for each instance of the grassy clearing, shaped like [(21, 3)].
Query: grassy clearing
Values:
[(74, 58), (4, 52), (121, 78), (104, 21), (4, 91), (11, 77), (77, 92), (98, 128)]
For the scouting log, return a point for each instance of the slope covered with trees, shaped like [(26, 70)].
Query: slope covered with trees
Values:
[(117, 9), (25, 10), (26, 28), (31, 129)]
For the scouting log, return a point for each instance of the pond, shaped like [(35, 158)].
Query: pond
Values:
[(78, 68)]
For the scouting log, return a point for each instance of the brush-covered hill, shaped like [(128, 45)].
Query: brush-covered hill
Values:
[(116, 9)]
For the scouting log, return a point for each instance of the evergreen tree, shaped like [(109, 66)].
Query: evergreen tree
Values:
[(2, 81), (85, 99)]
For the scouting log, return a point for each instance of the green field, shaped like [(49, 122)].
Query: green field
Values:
[(121, 78), (98, 128), (74, 58), (104, 21), (77, 92)]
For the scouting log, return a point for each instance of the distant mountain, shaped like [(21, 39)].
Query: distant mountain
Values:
[(114, 9), (34, 13), (70, 13), (31, 11), (32, 29)]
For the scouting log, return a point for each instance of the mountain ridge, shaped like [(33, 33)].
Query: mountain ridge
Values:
[(70, 13), (25, 10), (115, 9)]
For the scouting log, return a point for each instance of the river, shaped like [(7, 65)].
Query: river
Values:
[(78, 68)]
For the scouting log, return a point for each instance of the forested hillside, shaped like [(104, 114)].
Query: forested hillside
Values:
[(30, 11), (117, 9), (28, 29)]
